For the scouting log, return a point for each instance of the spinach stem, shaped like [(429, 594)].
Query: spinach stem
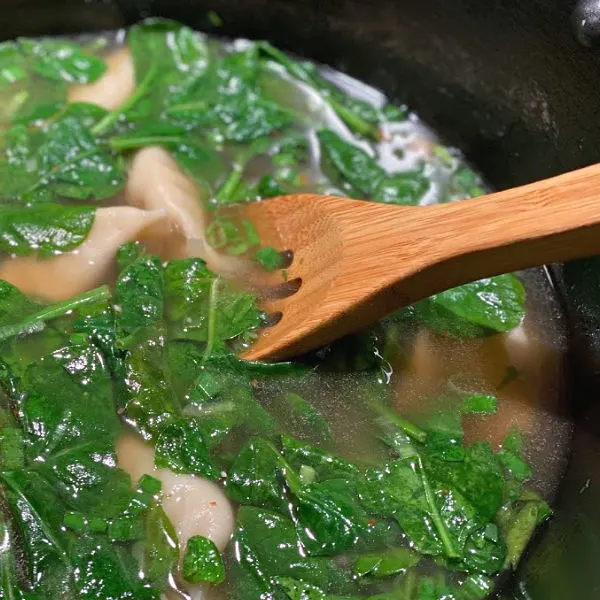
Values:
[(226, 191), (412, 430), (212, 319), (297, 70), (15, 104), (186, 106), (110, 118), (131, 143), (449, 548), (37, 320), (353, 121)]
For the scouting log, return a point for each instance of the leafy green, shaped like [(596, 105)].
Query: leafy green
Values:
[(518, 522), (66, 161), (384, 564), (61, 60), (256, 477), (168, 58), (228, 99), (366, 177), (266, 546), (330, 517), (202, 561), (35, 320), (19, 165), (512, 458), (467, 183), (69, 427), (149, 402), (180, 447), (445, 435), (45, 229), (492, 305), (402, 188), (438, 518), (268, 258), (139, 292), (391, 112), (355, 166), (299, 590), (325, 464), (12, 64), (480, 404), (233, 190), (205, 308), (72, 164), (224, 399), (161, 552), (478, 478), (14, 305), (357, 114)]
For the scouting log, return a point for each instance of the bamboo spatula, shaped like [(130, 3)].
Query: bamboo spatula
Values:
[(354, 261)]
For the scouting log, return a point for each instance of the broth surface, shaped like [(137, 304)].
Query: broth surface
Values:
[(335, 399)]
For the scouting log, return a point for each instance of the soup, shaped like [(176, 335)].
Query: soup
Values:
[(139, 457)]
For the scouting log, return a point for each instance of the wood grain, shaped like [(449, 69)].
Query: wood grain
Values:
[(359, 261)]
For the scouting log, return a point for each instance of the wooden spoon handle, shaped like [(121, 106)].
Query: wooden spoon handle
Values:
[(557, 219), (551, 220)]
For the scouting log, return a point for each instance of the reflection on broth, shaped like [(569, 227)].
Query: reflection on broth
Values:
[(139, 458)]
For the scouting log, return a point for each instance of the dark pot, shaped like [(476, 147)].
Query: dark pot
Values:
[(516, 86)]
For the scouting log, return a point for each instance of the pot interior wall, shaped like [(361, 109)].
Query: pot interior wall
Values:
[(505, 81)]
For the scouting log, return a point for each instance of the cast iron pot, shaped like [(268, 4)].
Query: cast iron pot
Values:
[(516, 85)]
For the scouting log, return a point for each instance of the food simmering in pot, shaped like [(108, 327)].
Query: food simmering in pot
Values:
[(139, 457)]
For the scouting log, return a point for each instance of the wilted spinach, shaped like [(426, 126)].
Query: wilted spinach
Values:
[(492, 305), (160, 354)]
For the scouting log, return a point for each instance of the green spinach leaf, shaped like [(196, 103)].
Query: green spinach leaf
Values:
[(257, 477), (12, 64), (231, 101), (266, 546), (384, 564), (325, 464), (352, 163), (492, 305), (60, 60), (72, 164), (180, 446), (46, 229), (205, 308), (202, 561), (402, 188)]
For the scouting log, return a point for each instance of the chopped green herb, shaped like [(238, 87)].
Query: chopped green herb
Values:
[(480, 403), (268, 258), (202, 561)]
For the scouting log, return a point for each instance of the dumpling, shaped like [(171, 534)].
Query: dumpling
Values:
[(195, 506), (71, 273), (114, 87), (485, 361), (156, 182)]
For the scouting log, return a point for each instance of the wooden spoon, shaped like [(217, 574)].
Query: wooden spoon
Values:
[(355, 261)]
